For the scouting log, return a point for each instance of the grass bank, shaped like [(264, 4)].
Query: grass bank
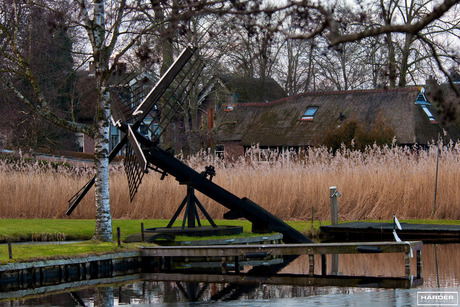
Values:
[(41, 230), (71, 229)]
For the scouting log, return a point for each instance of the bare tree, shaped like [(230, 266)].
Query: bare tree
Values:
[(410, 55), (112, 29), (104, 27)]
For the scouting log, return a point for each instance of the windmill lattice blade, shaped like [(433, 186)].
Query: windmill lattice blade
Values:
[(134, 171), (75, 200), (150, 101), (177, 95)]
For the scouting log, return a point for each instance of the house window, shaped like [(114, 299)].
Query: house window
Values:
[(421, 98), (220, 151), (309, 114), (429, 114), (114, 137), (156, 129), (144, 130)]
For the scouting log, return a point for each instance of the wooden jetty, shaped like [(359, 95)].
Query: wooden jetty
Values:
[(369, 231), (237, 253)]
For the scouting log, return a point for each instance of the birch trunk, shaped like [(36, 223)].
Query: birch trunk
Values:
[(103, 231), (101, 55)]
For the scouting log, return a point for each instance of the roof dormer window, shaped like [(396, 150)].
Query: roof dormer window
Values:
[(429, 114), (421, 98), (309, 114)]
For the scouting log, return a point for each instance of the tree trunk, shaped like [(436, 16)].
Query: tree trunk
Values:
[(405, 60), (101, 54), (103, 231), (391, 61)]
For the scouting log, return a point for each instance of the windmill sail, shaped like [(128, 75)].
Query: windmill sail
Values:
[(158, 109), (171, 89)]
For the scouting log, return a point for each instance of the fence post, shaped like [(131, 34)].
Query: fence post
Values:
[(312, 217), (142, 232), (10, 251), (118, 236), (334, 194)]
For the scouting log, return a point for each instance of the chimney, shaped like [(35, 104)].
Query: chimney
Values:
[(431, 83), (120, 68)]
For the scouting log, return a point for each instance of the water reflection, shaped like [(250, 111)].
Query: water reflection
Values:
[(447, 270), (291, 286)]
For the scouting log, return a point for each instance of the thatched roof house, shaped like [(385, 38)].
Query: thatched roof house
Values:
[(303, 120)]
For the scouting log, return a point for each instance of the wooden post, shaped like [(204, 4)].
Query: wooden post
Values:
[(436, 181), (312, 217), (334, 194), (334, 264), (142, 232), (237, 265), (118, 236), (419, 264), (10, 251), (323, 264), (311, 260), (407, 263)]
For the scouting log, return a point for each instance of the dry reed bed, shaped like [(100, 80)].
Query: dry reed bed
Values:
[(374, 185)]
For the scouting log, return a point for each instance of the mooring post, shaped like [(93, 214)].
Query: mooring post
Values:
[(142, 232), (334, 194), (10, 251), (419, 264), (118, 236)]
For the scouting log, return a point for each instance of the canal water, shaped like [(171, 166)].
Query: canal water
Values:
[(291, 287)]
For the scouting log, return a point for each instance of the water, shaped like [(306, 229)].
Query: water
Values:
[(292, 287)]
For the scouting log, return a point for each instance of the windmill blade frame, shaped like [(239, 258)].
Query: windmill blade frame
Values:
[(147, 104)]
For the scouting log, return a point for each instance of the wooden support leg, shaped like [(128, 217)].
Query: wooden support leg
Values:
[(334, 264), (407, 264), (311, 260), (323, 265), (224, 265), (419, 264), (237, 265)]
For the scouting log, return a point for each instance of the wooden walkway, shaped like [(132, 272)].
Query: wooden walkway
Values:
[(368, 231), (237, 253)]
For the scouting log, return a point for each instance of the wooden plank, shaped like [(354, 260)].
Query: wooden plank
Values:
[(49, 263), (278, 249)]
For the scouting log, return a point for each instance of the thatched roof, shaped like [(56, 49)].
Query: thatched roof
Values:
[(253, 89), (278, 123)]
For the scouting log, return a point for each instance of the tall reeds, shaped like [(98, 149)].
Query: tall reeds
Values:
[(374, 184)]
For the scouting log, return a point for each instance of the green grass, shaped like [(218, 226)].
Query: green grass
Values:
[(72, 229), (32, 252)]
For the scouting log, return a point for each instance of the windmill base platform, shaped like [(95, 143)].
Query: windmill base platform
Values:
[(169, 233)]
